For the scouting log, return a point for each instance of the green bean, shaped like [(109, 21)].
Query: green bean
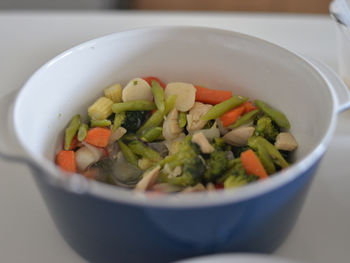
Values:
[(158, 95), (265, 159), (128, 154), (83, 129), (152, 134), (137, 105), (129, 137), (219, 109), (139, 148), (158, 117), (118, 120), (257, 141), (277, 116), (71, 130), (246, 118), (100, 123), (182, 119)]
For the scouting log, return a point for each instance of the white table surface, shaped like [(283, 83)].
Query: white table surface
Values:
[(27, 40)]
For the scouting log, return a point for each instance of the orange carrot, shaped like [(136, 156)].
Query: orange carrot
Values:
[(149, 80), (232, 115), (66, 161), (249, 107), (211, 96), (98, 136), (252, 164)]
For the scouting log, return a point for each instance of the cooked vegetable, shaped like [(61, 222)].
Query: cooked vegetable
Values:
[(275, 115), (182, 119), (83, 129), (186, 94), (158, 117), (118, 120), (265, 128), (276, 156), (158, 95), (141, 149), (137, 89), (133, 120), (98, 136), (152, 134), (246, 118), (100, 123), (137, 105), (101, 109), (221, 108), (212, 96), (114, 92), (285, 141), (71, 130), (176, 138), (66, 161), (252, 164), (128, 154)]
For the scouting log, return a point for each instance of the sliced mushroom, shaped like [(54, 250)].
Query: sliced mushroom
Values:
[(203, 142), (86, 156), (171, 129), (223, 130), (239, 136), (148, 179), (286, 141), (194, 122), (137, 89), (186, 94), (116, 135)]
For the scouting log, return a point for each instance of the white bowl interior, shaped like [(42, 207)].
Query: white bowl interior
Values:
[(217, 59)]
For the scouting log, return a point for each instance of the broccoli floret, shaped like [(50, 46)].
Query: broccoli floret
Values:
[(234, 168), (240, 180), (133, 120), (216, 165), (189, 159), (220, 144), (266, 129)]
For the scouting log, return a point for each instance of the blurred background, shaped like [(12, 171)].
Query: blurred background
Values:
[(291, 6)]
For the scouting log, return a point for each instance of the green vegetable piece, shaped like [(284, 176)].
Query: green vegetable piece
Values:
[(152, 134), (83, 129), (71, 130), (129, 137), (234, 168), (277, 116), (118, 120), (246, 118), (182, 119), (133, 120), (141, 149), (158, 117), (257, 141), (128, 154), (238, 181), (158, 95), (265, 128), (100, 123), (137, 105), (219, 109), (216, 165), (266, 160)]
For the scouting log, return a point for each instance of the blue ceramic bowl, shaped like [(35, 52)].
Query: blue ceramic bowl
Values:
[(108, 224)]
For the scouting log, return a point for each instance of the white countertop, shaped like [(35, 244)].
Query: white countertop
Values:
[(27, 233)]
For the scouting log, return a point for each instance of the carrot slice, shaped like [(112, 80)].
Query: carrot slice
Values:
[(252, 164), (232, 115), (149, 80), (66, 161), (249, 107), (211, 96), (98, 136)]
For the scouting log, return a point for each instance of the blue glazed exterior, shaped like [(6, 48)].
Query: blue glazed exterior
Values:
[(106, 231)]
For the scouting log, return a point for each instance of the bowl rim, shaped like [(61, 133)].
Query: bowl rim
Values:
[(78, 184)]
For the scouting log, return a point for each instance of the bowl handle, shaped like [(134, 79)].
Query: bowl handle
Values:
[(9, 148), (340, 89)]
